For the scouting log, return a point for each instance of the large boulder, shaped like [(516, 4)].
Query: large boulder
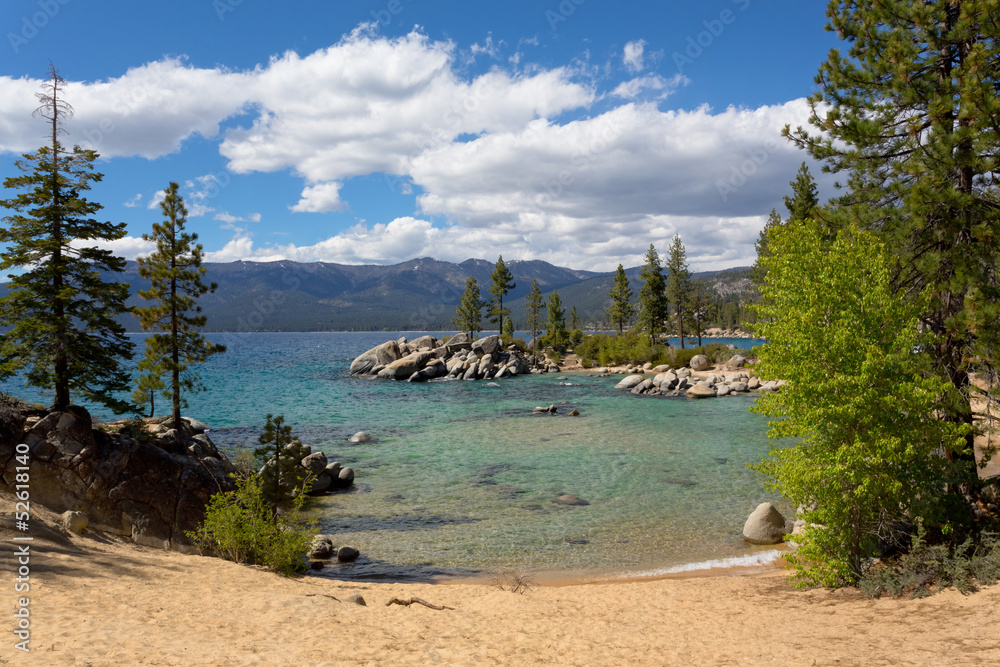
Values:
[(699, 362), (736, 362), (701, 391), (423, 343), (315, 463), (381, 355), (630, 382), (459, 341), (487, 345), (402, 369), (766, 525), (154, 492)]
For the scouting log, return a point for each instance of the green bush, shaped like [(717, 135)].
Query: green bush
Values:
[(928, 567), (136, 429), (240, 526), (628, 348), (509, 340)]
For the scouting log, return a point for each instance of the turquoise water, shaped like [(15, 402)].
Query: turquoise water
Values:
[(461, 477)]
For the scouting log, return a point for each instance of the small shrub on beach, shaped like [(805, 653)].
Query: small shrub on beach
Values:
[(240, 526), (513, 579), (929, 567)]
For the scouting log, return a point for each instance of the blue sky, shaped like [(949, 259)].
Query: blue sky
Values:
[(573, 131)]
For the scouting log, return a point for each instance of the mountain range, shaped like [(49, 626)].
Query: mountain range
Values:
[(416, 295)]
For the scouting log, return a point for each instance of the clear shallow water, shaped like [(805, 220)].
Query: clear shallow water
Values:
[(462, 476)]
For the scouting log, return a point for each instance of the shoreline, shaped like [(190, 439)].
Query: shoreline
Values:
[(105, 603)]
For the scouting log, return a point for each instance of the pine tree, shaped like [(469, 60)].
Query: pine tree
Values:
[(805, 198), (502, 282), (678, 284), (555, 323), (533, 314), (574, 320), (700, 305), (469, 314), (621, 308), (175, 274), (652, 297), (909, 115), (60, 312), (801, 205), (282, 474)]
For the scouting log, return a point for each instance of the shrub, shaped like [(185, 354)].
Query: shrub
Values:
[(240, 526), (928, 567), (136, 429), (513, 579)]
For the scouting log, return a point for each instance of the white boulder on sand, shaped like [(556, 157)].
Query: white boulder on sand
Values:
[(766, 525)]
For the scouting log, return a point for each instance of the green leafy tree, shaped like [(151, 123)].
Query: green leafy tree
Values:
[(469, 314), (241, 526), (857, 400), (653, 309), (502, 282), (282, 476), (59, 316), (175, 274), (555, 323), (678, 289), (909, 113), (621, 308), (533, 314)]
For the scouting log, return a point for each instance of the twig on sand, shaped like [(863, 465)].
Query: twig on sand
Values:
[(312, 595), (407, 603)]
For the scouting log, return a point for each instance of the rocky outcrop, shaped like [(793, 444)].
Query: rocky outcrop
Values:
[(381, 355), (153, 492), (427, 358)]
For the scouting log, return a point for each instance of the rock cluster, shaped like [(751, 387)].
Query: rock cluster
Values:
[(152, 491), (682, 382), (427, 358), (323, 549)]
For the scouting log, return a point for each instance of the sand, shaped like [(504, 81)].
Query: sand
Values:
[(98, 601)]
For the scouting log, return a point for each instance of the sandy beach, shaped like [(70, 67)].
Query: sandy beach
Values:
[(98, 601)]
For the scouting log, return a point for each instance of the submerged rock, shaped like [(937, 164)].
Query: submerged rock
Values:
[(569, 499)]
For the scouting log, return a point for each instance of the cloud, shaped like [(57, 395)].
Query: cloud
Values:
[(632, 55), (129, 247), (633, 88), (321, 198), (133, 202), (156, 200)]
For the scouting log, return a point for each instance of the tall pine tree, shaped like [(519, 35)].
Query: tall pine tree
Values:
[(555, 323), (909, 114), (502, 282), (678, 284), (60, 312), (533, 314), (175, 274), (621, 308), (652, 297), (469, 314)]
